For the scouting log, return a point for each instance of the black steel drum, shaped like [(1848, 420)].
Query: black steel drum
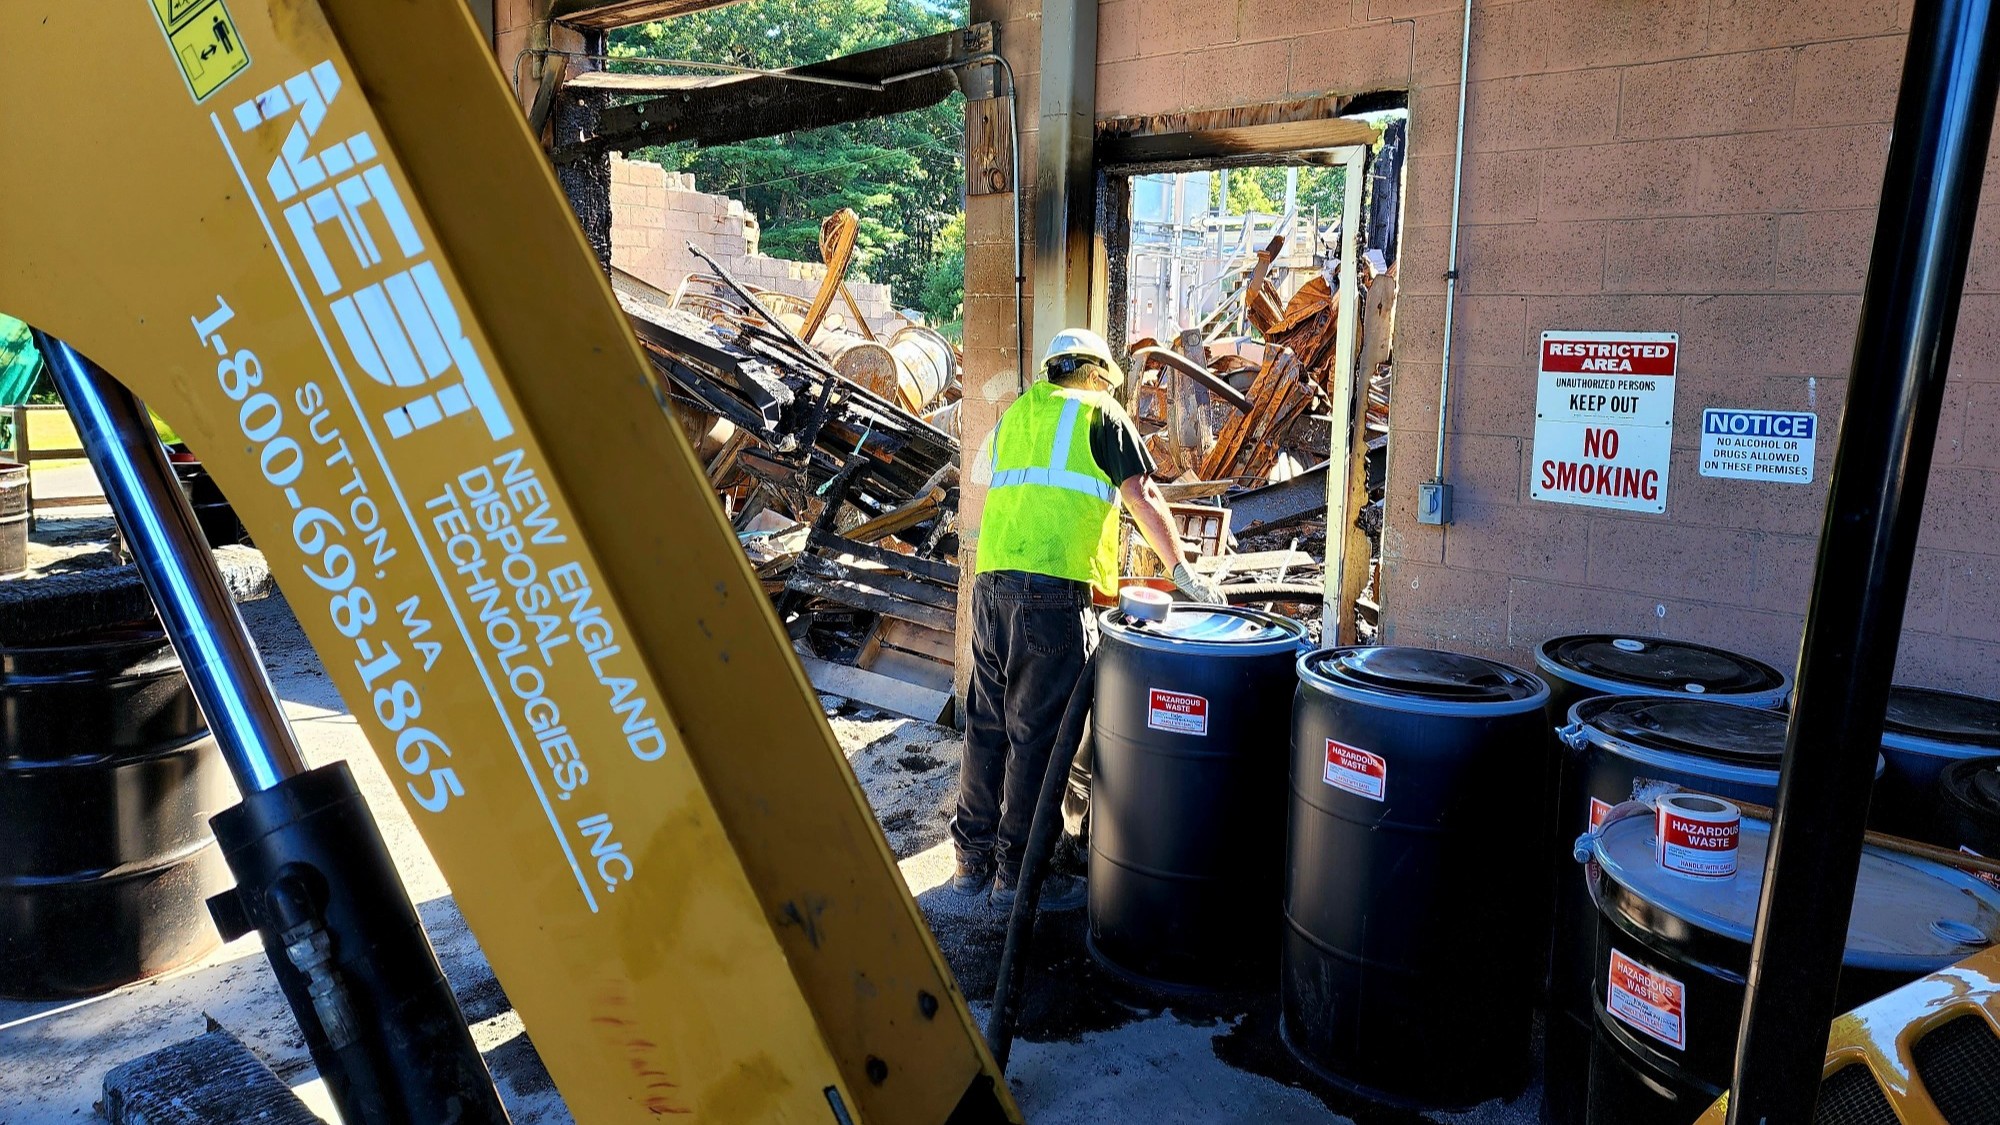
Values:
[(107, 780), (1587, 664), (1673, 953), (1925, 731), (1414, 925), (1188, 803)]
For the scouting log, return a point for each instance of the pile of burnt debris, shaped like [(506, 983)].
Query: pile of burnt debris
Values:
[(1240, 415), (831, 445)]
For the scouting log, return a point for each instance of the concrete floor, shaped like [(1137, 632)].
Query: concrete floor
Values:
[(1089, 1052)]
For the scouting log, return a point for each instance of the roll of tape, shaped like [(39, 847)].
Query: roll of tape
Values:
[(1696, 836), (1143, 603)]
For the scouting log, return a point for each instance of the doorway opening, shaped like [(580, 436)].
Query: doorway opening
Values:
[(1262, 376)]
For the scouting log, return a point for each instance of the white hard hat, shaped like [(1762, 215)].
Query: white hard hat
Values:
[(1082, 343)]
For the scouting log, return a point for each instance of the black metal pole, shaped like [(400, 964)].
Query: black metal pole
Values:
[(1909, 309)]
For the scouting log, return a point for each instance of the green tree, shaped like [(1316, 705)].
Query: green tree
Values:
[(1263, 190), (943, 297), (903, 175)]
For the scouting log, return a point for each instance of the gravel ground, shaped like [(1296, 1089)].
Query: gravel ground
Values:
[(1090, 1051)]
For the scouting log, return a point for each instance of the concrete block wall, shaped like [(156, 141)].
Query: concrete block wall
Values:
[(1706, 167), (656, 213)]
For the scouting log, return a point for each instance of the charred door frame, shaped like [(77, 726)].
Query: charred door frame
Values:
[(1305, 134)]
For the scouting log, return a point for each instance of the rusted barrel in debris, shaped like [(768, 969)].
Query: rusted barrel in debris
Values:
[(925, 364), (13, 518), (859, 360), (944, 418), (107, 779)]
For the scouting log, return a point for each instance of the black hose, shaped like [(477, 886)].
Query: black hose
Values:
[(1042, 834)]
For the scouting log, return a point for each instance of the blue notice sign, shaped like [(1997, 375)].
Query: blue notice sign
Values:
[(1766, 445)]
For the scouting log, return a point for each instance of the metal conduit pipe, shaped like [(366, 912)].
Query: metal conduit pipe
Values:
[(1451, 266), (1895, 390), (179, 572)]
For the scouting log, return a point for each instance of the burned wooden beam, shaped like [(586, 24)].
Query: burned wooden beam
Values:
[(1244, 142), (873, 592), (603, 15), (759, 105), (908, 516), (1276, 505), (930, 569), (912, 590)]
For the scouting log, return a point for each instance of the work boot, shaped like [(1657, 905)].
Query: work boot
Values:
[(974, 877), (1059, 893)]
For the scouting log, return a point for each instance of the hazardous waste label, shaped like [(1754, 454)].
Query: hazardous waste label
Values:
[(1766, 445), (1176, 711), (1649, 1002), (1604, 416), (1356, 770), (1598, 811)]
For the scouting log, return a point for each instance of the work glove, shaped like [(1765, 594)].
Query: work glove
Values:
[(1196, 587)]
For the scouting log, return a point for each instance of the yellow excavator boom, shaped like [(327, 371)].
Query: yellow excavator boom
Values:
[(318, 239)]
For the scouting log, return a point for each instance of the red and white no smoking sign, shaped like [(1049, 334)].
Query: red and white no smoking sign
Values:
[(1604, 417)]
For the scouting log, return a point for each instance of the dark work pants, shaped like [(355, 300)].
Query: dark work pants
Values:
[(1031, 635)]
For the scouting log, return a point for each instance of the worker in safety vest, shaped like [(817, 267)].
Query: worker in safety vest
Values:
[(1064, 455)]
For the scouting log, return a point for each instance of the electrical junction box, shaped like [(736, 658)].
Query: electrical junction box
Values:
[(1434, 502)]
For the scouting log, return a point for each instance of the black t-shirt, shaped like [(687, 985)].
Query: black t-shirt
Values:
[(1117, 448)]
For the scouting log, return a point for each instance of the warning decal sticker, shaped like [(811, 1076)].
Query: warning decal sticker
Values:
[(1598, 811), (1357, 771), (1176, 711), (1652, 1003), (1985, 877), (204, 41), (171, 12)]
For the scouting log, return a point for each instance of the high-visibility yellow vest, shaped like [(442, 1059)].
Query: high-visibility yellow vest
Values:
[(1050, 509)]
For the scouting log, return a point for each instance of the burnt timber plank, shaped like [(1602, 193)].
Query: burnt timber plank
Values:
[(768, 105), (1241, 140), (1276, 505), (859, 597), (941, 598), (212, 1079), (882, 556), (603, 15)]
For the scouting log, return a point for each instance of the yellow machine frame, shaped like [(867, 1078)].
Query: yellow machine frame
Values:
[(1882, 1034), (319, 239)]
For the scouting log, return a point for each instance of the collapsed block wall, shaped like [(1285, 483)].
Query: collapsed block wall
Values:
[(1704, 167), (656, 213)]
